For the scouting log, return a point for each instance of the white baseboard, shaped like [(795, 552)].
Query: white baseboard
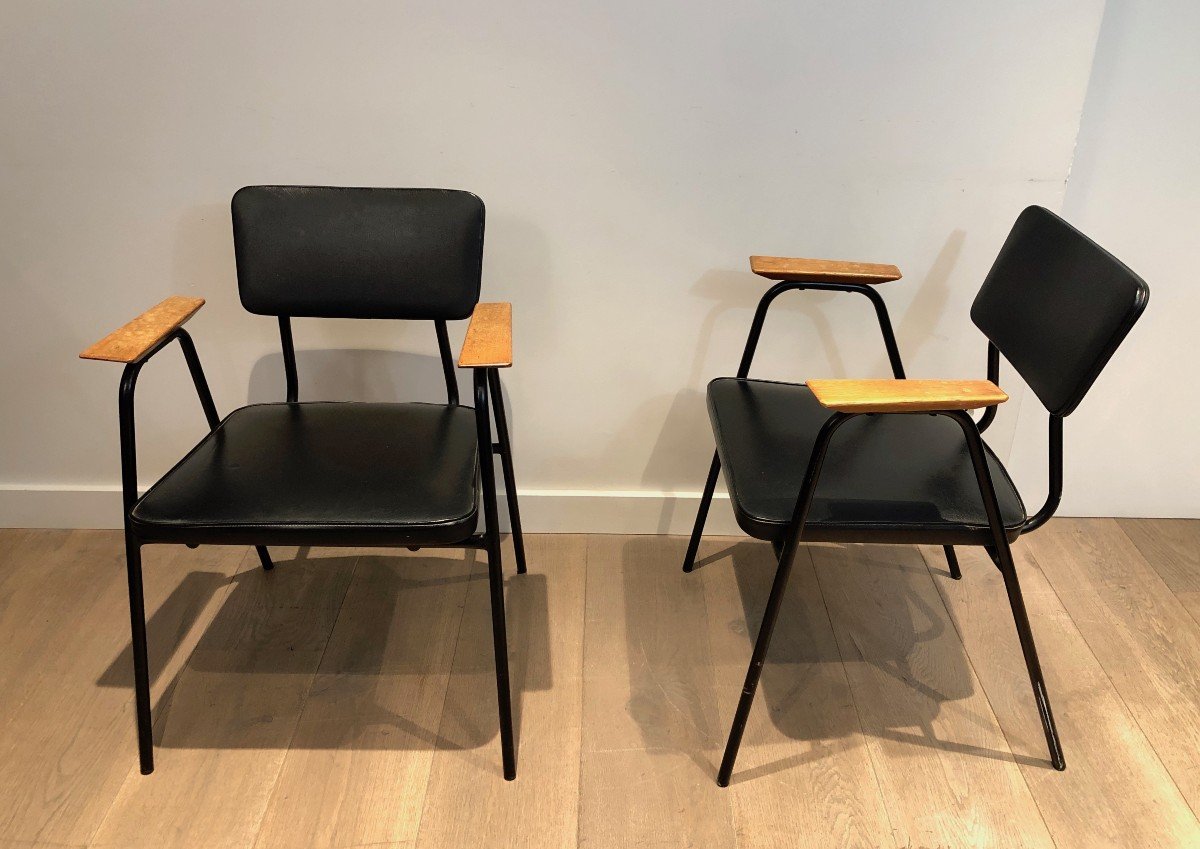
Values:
[(590, 511)]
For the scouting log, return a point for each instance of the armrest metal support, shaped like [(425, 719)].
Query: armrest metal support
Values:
[(881, 313), (125, 407)]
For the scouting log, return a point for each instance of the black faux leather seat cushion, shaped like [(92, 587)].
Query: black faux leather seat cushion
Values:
[(886, 479), (322, 474)]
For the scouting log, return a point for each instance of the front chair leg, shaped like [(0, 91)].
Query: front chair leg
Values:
[(495, 574), (506, 466), (787, 555), (141, 668), (756, 663), (264, 557)]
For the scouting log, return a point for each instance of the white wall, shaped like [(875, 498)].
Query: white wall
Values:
[(1132, 447), (631, 155)]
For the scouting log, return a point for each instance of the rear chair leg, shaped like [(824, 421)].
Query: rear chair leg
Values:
[(689, 560), (1002, 554), (952, 559), (141, 668)]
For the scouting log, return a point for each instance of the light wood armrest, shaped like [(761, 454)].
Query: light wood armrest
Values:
[(822, 270), (489, 338), (128, 343), (903, 396)]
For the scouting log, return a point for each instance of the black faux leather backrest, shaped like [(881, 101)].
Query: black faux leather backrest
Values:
[(1057, 305), (358, 253)]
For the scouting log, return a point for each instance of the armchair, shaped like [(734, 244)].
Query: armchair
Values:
[(908, 464), (334, 474)]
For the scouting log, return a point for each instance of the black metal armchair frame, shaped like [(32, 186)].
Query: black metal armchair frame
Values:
[(164, 322), (1060, 393)]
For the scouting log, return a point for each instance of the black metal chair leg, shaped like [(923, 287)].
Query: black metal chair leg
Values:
[(786, 557), (1017, 602), (1002, 554), (756, 663), (506, 466), (141, 668), (495, 575), (265, 557), (952, 559), (689, 560)]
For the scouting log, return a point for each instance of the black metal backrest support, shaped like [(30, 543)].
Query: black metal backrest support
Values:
[(331, 252), (1057, 305)]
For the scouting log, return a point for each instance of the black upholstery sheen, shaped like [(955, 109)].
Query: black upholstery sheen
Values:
[(358, 253), (886, 479), (322, 474), (1057, 305)]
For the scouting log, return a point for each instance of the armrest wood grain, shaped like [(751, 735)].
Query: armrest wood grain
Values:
[(822, 270), (489, 338), (128, 343), (904, 396)]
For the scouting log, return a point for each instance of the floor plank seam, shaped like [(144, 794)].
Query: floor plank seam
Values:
[(258, 832), (1151, 561), (816, 573), (471, 573), (587, 549)]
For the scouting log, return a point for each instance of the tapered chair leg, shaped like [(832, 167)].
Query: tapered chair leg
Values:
[(495, 575), (952, 560), (1002, 554), (506, 466), (689, 560), (1017, 602), (264, 557), (141, 668), (756, 664), (787, 555)]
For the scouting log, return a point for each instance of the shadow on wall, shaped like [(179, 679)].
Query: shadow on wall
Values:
[(682, 452)]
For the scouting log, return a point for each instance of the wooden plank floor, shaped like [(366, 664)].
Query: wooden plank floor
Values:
[(347, 699)]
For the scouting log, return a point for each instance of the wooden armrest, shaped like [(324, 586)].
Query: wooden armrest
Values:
[(128, 343), (489, 338), (822, 270), (902, 396)]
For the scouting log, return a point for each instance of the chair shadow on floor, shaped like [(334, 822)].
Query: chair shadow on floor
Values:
[(860, 606), (355, 634)]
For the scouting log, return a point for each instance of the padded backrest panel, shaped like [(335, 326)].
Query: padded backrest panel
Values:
[(358, 253), (1057, 305)]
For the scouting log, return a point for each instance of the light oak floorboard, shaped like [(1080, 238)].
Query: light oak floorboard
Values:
[(804, 776), (68, 745), (651, 734), (347, 699), (947, 775), (1143, 636), (358, 764), (222, 734), (1115, 792), (1172, 547), (468, 802)]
